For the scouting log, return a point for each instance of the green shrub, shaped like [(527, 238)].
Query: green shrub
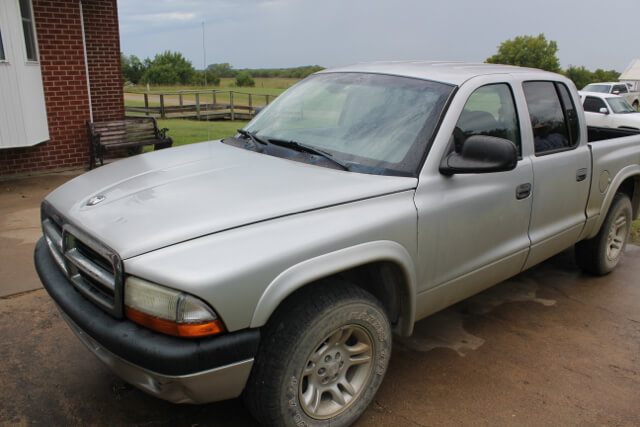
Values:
[(245, 79)]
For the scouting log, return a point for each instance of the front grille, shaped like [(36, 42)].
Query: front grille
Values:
[(94, 269)]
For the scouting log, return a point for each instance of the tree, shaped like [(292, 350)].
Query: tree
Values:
[(528, 51), (222, 70), (601, 75), (161, 75), (245, 79), (169, 68), (582, 77), (132, 68), (211, 78)]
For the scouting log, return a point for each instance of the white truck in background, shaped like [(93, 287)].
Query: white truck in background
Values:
[(616, 88)]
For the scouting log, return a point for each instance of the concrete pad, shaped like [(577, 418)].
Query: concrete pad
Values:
[(551, 346), (20, 228)]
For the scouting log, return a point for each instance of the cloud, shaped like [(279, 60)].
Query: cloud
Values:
[(165, 18), (282, 33)]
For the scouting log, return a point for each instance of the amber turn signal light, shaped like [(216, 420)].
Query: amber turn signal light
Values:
[(187, 330)]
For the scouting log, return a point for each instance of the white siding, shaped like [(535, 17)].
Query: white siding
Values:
[(23, 115)]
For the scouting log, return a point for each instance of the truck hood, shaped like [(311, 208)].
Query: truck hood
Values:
[(146, 202)]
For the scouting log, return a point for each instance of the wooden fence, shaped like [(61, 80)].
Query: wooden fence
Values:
[(196, 104)]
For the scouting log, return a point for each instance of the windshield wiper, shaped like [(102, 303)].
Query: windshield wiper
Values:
[(303, 148), (254, 138)]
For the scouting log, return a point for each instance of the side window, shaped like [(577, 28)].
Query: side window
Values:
[(620, 88), (28, 29), (490, 110), (593, 104), (548, 121), (571, 115)]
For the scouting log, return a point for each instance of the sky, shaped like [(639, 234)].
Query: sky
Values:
[(291, 33)]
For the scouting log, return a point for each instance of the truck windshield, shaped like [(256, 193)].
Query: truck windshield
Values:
[(620, 106), (372, 123), (597, 88)]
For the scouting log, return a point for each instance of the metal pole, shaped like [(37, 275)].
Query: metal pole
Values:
[(204, 55)]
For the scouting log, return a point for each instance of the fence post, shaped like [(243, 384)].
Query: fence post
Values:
[(146, 103), (233, 114), (162, 115), (180, 95), (267, 99), (214, 98), (198, 106)]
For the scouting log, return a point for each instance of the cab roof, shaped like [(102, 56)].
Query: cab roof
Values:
[(454, 73)]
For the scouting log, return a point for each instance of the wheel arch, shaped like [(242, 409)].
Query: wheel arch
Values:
[(384, 268), (627, 182)]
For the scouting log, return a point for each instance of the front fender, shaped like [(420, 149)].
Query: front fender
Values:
[(325, 265)]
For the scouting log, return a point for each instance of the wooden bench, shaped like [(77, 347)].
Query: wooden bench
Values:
[(134, 132)]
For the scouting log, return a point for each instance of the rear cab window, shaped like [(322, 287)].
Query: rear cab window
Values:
[(554, 119)]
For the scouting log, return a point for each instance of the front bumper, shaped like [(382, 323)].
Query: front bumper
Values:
[(175, 369)]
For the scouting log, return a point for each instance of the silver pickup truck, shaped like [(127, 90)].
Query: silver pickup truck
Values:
[(279, 262)]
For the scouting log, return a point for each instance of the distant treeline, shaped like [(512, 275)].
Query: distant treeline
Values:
[(582, 77), (226, 70), (171, 68)]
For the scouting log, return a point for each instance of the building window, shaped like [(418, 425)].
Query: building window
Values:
[(2, 55), (28, 29)]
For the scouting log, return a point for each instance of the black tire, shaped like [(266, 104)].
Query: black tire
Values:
[(302, 375), (635, 105), (601, 254)]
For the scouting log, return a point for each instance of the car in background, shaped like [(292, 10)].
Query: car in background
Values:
[(615, 88), (611, 111)]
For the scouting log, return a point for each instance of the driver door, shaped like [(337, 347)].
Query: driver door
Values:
[(472, 228)]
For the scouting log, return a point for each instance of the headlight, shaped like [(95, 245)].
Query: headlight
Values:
[(168, 311)]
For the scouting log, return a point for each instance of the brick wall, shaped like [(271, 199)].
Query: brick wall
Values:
[(59, 30), (103, 52)]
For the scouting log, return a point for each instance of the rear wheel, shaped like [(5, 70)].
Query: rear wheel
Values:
[(602, 253), (322, 358), (636, 105)]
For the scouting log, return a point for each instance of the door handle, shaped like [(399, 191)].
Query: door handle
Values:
[(523, 191), (581, 174)]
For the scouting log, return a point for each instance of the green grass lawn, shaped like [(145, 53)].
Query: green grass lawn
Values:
[(264, 86), (190, 131)]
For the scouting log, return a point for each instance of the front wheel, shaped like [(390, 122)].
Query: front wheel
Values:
[(602, 253), (322, 358)]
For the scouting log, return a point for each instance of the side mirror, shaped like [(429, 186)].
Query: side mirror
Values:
[(604, 110), (258, 109), (481, 154)]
